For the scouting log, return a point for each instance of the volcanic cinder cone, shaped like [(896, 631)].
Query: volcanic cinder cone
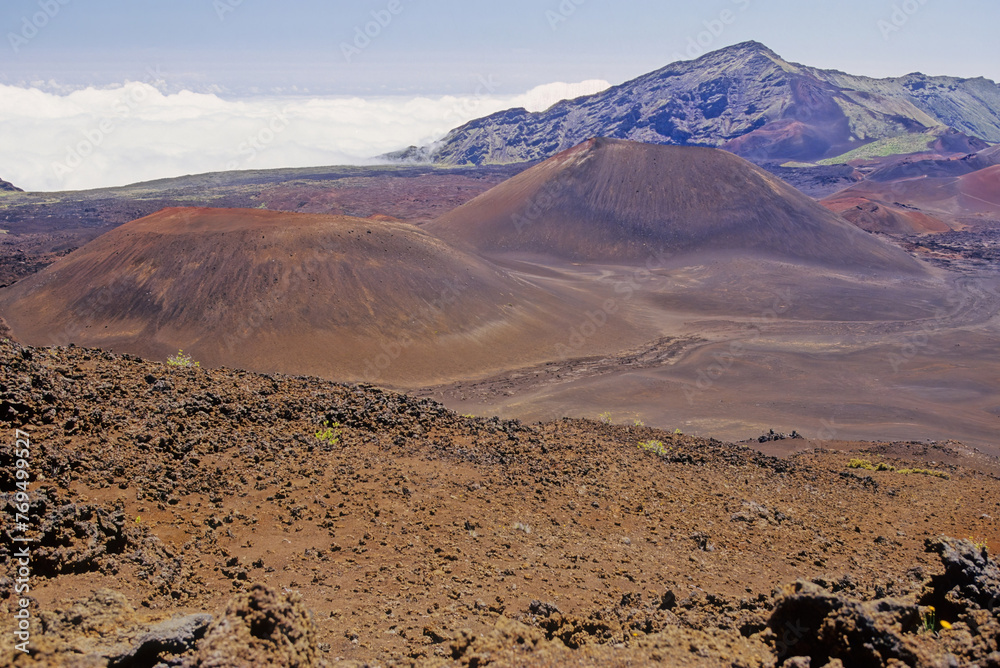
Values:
[(339, 297), (923, 204), (618, 201)]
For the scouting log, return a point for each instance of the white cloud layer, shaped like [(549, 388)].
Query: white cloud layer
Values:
[(94, 138)]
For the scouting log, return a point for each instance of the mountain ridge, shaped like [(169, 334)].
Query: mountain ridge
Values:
[(744, 98), (9, 187)]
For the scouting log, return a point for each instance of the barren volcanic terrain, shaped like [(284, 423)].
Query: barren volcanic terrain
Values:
[(217, 517), (724, 315), (923, 204), (43, 226), (334, 296), (791, 319), (616, 201)]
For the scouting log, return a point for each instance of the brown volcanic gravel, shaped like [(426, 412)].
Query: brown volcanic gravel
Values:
[(423, 537)]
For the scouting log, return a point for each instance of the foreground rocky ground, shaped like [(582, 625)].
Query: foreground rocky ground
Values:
[(191, 517)]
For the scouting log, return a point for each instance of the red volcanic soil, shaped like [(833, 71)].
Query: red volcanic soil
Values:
[(415, 199), (953, 141), (44, 226), (786, 139), (983, 187), (876, 216), (609, 200), (194, 517), (339, 297), (921, 205)]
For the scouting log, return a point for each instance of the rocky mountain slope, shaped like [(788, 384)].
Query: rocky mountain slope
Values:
[(744, 98), (9, 187), (203, 517)]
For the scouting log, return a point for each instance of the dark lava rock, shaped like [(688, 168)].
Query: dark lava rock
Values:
[(260, 628), (811, 622), (174, 636), (970, 579)]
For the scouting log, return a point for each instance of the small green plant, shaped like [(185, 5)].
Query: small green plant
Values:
[(656, 447), (933, 474), (928, 620), (604, 418), (330, 433), (979, 543), (678, 432), (182, 359), (929, 623), (882, 466), (638, 423)]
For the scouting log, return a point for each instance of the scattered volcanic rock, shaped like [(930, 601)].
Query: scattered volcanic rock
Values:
[(611, 200), (817, 181), (745, 98), (813, 625), (422, 537), (261, 627), (971, 580), (174, 636), (340, 297)]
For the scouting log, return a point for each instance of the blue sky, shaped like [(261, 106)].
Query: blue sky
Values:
[(442, 46)]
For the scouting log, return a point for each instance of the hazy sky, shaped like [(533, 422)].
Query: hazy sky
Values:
[(242, 63), (438, 46)]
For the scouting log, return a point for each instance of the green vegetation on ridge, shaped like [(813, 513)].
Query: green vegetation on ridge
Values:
[(898, 145)]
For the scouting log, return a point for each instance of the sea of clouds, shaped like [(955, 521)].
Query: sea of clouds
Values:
[(98, 137)]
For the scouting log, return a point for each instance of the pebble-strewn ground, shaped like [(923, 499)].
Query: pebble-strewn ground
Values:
[(194, 517)]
